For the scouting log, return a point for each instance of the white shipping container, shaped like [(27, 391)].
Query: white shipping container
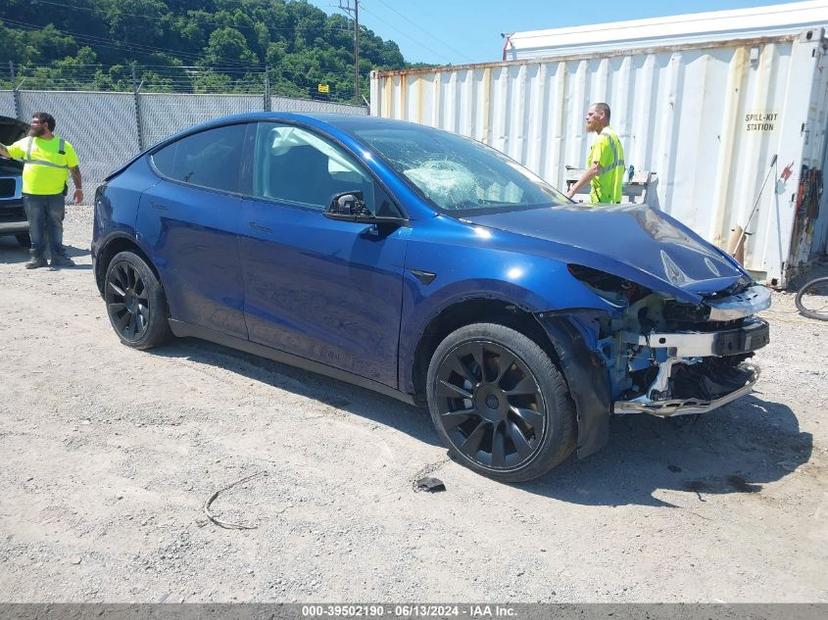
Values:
[(708, 116)]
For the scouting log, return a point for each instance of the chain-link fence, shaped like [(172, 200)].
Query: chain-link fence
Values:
[(109, 128), (7, 103)]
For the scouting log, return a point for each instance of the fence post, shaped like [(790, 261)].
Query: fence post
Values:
[(136, 87), (18, 108), (267, 89)]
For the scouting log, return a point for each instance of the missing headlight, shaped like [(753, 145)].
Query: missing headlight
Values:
[(676, 312), (607, 284)]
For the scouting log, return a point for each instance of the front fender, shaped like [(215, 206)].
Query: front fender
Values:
[(587, 378), (466, 266)]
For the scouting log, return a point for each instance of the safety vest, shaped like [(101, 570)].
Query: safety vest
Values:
[(44, 177), (42, 162), (606, 187)]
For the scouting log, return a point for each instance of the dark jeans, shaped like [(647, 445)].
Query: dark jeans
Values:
[(45, 214)]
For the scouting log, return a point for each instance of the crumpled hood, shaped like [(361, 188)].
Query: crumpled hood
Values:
[(624, 239), (11, 130)]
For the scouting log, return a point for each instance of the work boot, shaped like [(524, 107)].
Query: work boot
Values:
[(36, 262), (61, 261)]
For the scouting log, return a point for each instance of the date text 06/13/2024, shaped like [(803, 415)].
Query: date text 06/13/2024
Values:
[(407, 611)]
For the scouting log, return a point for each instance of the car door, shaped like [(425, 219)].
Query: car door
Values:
[(329, 291), (190, 221)]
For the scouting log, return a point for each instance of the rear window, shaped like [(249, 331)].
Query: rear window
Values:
[(210, 158)]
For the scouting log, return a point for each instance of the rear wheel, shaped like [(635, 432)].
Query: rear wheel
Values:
[(135, 302), (23, 239), (499, 403)]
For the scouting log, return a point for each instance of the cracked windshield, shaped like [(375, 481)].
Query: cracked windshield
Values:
[(459, 174)]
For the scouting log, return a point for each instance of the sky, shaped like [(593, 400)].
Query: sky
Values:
[(462, 31)]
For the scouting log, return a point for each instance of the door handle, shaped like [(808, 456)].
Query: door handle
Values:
[(159, 206), (259, 227)]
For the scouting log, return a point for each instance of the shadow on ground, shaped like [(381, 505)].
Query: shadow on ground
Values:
[(359, 401), (72, 251), (736, 449), (12, 252)]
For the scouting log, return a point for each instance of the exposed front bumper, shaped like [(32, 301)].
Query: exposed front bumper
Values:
[(687, 406), (694, 375), (745, 339)]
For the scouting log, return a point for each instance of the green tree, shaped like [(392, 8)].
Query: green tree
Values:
[(94, 43), (228, 46)]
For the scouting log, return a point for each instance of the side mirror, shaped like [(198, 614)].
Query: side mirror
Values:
[(347, 204), (350, 207)]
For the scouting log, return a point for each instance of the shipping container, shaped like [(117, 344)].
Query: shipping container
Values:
[(729, 115)]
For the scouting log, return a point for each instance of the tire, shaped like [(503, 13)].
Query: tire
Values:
[(512, 422), (135, 302), (812, 299), (24, 240)]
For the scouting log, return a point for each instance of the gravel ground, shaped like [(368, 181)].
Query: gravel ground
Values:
[(109, 454)]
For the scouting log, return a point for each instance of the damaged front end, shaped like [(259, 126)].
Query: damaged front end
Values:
[(669, 357)]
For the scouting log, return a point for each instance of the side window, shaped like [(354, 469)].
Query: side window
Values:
[(295, 165), (209, 158)]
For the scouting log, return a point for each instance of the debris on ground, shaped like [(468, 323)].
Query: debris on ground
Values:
[(432, 485), (226, 524)]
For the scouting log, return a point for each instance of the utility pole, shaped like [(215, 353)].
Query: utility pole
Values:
[(346, 6)]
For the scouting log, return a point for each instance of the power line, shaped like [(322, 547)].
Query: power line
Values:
[(391, 26), (134, 47), (404, 34), (146, 18), (456, 51)]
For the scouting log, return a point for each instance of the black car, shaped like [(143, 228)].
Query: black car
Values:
[(12, 216)]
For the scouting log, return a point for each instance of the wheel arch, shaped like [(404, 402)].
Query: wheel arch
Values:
[(113, 246), (584, 372), (466, 312)]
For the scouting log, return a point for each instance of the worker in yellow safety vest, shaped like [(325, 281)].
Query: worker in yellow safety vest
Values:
[(48, 160), (605, 160)]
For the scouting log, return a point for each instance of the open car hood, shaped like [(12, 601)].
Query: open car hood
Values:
[(626, 239), (11, 129)]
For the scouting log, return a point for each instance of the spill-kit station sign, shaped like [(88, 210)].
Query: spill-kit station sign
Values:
[(761, 121)]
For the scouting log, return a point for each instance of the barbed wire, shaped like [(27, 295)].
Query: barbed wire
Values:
[(169, 79)]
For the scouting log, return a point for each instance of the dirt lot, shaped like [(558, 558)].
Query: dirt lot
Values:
[(108, 455)]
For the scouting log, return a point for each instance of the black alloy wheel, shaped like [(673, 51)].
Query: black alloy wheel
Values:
[(127, 302), (499, 403), (135, 302), (490, 404)]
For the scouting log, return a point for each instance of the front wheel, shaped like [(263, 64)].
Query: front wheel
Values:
[(23, 240), (499, 403), (135, 302)]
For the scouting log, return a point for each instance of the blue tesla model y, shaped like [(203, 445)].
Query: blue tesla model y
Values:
[(430, 267)]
